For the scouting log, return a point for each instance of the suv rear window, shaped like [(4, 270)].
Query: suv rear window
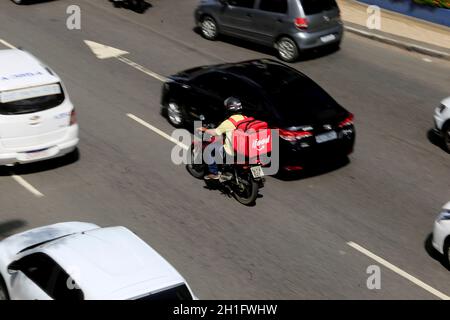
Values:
[(174, 294), (30, 100), (317, 6), (278, 6)]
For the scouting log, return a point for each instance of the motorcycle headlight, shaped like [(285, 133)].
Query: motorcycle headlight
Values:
[(445, 215)]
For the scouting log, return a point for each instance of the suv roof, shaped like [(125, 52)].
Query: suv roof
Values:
[(20, 69)]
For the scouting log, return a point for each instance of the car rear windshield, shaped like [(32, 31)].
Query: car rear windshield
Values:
[(30, 100), (317, 6), (174, 294), (302, 102)]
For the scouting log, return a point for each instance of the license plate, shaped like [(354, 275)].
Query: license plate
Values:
[(332, 135), (257, 172), (328, 38), (38, 154)]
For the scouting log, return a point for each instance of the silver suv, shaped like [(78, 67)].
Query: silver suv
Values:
[(289, 25)]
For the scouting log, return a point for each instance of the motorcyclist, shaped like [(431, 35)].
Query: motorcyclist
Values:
[(233, 107)]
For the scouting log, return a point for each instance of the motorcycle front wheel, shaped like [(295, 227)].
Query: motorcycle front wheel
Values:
[(247, 190), (198, 171)]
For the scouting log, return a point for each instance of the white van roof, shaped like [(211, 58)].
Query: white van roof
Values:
[(19, 69)]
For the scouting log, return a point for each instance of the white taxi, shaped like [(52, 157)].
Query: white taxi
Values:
[(37, 118), (81, 261)]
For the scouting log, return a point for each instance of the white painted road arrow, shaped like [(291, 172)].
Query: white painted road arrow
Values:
[(105, 52)]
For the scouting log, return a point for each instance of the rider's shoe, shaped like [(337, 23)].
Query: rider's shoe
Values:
[(212, 176)]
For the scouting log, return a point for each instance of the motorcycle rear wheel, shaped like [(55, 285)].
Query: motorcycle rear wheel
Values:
[(249, 195)]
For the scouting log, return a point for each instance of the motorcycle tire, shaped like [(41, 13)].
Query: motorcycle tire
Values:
[(251, 193), (198, 171)]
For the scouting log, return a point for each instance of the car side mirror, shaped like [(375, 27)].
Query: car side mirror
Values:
[(224, 2), (14, 267)]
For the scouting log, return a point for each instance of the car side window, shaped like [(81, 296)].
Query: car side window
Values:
[(277, 6), (242, 3), (50, 277)]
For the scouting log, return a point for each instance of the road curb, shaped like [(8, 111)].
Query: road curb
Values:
[(398, 43)]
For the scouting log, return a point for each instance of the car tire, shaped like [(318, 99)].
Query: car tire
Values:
[(446, 136), (176, 114), (447, 252), (335, 46), (3, 291), (287, 49), (209, 28)]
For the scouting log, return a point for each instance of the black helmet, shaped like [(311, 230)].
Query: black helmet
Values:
[(233, 105)]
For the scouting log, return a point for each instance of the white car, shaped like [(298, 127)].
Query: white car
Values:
[(81, 261), (442, 122), (37, 118), (441, 233)]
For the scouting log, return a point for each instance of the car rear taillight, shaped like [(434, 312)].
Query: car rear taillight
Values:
[(347, 122), (294, 135), (73, 118), (301, 23)]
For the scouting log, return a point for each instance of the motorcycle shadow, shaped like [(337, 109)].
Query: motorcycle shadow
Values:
[(213, 185)]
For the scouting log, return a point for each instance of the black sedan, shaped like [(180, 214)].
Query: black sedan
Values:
[(312, 124)]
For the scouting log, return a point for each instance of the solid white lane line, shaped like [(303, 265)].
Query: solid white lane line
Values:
[(399, 271), (156, 130), (142, 69), (9, 45), (27, 186)]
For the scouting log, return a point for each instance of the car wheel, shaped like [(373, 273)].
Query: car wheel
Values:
[(446, 136), (209, 28), (176, 114), (447, 252), (287, 49), (3, 291), (335, 46)]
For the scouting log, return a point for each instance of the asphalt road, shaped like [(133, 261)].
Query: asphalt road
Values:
[(293, 243)]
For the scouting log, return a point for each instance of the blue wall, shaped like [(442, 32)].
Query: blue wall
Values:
[(408, 7)]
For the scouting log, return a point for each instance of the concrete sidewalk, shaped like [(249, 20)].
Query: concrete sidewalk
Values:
[(397, 29)]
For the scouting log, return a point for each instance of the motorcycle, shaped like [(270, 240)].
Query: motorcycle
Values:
[(242, 181)]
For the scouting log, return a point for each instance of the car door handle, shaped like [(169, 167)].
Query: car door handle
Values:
[(248, 14), (279, 20)]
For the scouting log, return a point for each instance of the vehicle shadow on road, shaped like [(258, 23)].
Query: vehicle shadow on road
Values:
[(141, 9), (36, 1), (225, 192), (435, 140), (304, 56), (432, 252), (7, 227), (320, 168), (41, 166)]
